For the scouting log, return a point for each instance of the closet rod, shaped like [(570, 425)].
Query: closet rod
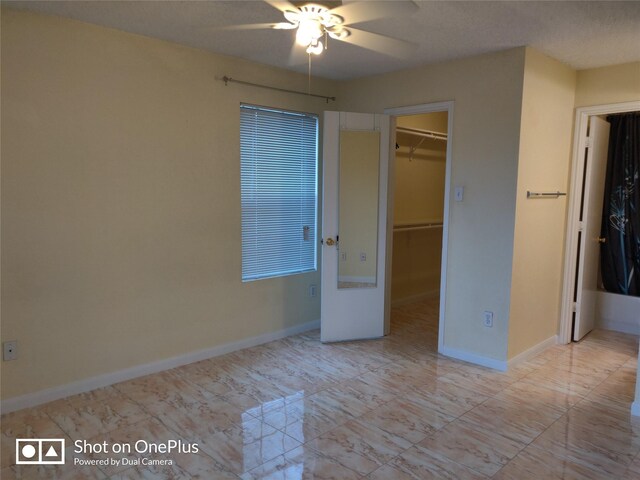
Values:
[(417, 226), (422, 133), (226, 80)]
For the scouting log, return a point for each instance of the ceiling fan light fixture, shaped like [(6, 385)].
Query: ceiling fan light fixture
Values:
[(338, 32), (309, 31), (334, 20), (314, 10), (315, 49), (292, 16)]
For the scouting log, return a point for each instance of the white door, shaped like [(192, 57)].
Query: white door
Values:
[(354, 225), (595, 171)]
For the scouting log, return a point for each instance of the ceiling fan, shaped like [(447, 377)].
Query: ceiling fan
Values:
[(317, 22)]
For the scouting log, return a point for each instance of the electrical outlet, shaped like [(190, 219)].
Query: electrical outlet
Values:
[(363, 257), (312, 290), (10, 350), (487, 319)]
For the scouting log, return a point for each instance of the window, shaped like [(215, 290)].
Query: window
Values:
[(279, 157)]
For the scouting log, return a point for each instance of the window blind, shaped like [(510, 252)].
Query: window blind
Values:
[(278, 156)]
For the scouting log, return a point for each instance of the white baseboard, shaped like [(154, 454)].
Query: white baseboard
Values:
[(415, 298), (81, 386), (473, 358), (533, 351), (635, 409), (623, 327)]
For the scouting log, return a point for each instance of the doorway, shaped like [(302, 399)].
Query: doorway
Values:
[(583, 300), (418, 206), (356, 302)]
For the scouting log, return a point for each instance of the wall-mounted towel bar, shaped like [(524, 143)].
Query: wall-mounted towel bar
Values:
[(416, 226), (545, 194)]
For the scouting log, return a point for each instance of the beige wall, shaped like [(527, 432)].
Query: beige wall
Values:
[(418, 198), (545, 145), (485, 145), (614, 84), (436, 122), (121, 202)]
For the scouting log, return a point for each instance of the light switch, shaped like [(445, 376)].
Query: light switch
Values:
[(459, 193)]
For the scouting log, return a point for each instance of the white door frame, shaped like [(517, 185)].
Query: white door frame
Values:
[(573, 202), (416, 110)]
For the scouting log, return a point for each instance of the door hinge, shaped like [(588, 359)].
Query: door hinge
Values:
[(587, 142), (580, 226), (574, 307)]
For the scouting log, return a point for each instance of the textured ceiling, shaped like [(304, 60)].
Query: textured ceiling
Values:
[(580, 34)]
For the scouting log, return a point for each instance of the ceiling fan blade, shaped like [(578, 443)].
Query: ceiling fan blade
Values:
[(248, 26), (283, 6), (364, 11), (380, 43)]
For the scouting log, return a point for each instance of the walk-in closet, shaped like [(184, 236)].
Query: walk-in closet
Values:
[(420, 165)]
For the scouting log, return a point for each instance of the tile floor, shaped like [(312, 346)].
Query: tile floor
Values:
[(389, 409)]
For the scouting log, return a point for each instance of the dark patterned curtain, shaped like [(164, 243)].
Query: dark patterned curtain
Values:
[(620, 254)]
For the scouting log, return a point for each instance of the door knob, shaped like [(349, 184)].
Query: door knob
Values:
[(330, 241), (602, 240)]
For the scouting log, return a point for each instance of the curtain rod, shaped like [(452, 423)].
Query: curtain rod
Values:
[(226, 80)]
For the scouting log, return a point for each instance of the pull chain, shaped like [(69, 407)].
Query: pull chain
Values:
[(309, 76)]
